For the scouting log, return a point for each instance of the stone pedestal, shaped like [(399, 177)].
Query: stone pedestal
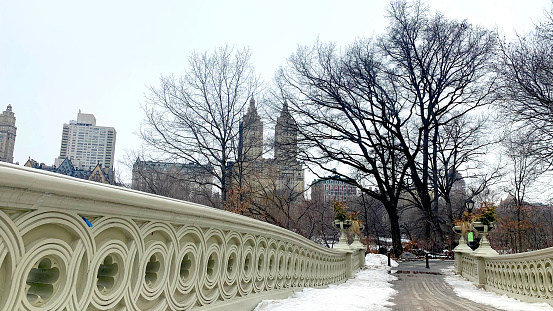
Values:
[(460, 250), (343, 226), (485, 249), (356, 244), (462, 247)]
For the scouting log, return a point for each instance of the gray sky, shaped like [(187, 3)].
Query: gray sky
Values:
[(57, 57)]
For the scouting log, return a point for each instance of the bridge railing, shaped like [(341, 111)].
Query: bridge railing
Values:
[(525, 276), (68, 244)]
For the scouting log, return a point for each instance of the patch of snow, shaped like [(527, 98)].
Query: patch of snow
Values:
[(377, 261), (369, 290), (468, 290)]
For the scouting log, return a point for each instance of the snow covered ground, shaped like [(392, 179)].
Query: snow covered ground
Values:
[(466, 289), (369, 290)]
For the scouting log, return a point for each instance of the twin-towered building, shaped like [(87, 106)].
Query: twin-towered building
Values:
[(278, 175), (252, 174)]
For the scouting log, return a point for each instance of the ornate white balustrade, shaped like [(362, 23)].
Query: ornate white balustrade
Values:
[(68, 244), (526, 276)]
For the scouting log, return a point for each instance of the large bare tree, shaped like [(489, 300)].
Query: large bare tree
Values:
[(442, 70), (379, 106), (195, 118), (344, 117)]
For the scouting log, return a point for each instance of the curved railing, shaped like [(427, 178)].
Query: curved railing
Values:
[(526, 276), (67, 244), (470, 270)]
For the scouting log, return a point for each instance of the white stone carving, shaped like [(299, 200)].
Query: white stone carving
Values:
[(526, 276), (141, 252)]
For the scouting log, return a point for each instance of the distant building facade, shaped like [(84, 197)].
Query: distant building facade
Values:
[(290, 170), (86, 144), (459, 185), (250, 141), (281, 174), (7, 135), (188, 182), (327, 191), (67, 168)]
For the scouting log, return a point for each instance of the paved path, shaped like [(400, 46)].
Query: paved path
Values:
[(425, 289)]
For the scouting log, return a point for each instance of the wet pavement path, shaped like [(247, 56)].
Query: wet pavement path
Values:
[(420, 288)]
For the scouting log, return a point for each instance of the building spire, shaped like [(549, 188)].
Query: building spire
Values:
[(7, 134), (251, 109)]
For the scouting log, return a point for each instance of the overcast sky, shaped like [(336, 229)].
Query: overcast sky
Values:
[(57, 57)]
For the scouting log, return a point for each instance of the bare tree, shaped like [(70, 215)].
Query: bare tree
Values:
[(461, 150), (545, 26), (441, 66), (195, 118), (265, 196), (379, 107), (343, 118), (525, 169), (373, 216), (526, 70), (182, 181), (460, 144), (280, 205)]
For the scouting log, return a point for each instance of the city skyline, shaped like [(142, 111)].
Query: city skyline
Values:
[(58, 59)]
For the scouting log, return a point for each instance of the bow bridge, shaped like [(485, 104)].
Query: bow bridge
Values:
[(68, 244), (71, 245)]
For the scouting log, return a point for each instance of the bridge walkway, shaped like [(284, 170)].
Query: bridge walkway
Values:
[(425, 289)]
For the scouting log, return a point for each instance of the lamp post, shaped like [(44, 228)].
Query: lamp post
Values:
[(469, 205)]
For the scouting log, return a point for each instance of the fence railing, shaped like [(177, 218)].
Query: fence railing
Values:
[(68, 244), (525, 276)]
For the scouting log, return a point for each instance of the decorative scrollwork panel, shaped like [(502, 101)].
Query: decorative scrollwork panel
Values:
[(74, 245)]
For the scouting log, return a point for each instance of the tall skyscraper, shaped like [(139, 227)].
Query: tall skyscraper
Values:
[(286, 137), (86, 144), (251, 135), (7, 135), (290, 171)]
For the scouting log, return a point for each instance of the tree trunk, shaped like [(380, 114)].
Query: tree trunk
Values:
[(397, 247)]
